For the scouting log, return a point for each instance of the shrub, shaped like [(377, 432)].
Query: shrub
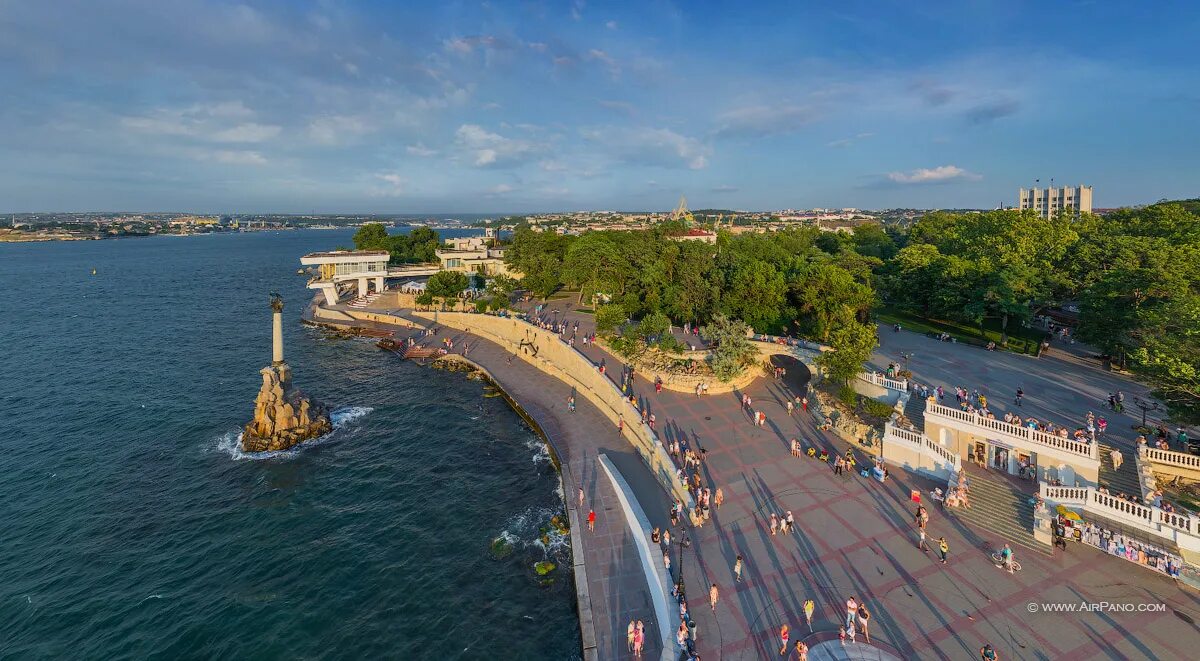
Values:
[(847, 396), (876, 408)]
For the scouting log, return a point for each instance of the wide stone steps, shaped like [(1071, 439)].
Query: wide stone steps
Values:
[(1124, 480), (999, 513), (914, 410)]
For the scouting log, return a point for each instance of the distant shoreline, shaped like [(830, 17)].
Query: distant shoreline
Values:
[(9, 236)]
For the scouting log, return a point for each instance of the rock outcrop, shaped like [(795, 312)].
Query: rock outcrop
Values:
[(283, 416)]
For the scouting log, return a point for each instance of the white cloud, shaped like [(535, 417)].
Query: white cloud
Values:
[(846, 142), (394, 184), (500, 189), (338, 129), (724, 188), (485, 148), (940, 174), (577, 9), (232, 157), (764, 120), (420, 149), (611, 25), (651, 146), (597, 55), (250, 132)]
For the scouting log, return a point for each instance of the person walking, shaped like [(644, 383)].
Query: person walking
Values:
[(1020, 396), (943, 548), (921, 540), (580, 497), (713, 595), (851, 612), (801, 651), (783, 638), (1117, 459), (790, 408), (591, 520), (804, 404), (667, 561), (630, 632), (774, 524), (809, 608)]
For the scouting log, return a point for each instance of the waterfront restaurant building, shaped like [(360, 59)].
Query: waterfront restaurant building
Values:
[(339, 266)]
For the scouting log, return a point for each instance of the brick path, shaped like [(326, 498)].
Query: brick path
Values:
[(855, 539)]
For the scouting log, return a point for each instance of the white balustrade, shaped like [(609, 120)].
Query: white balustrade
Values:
[(1030, 436), (1172, 458), (1171, 525), (878, 379), (924, 443)]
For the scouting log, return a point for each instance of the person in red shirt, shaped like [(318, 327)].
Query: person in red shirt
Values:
[(592, 520)]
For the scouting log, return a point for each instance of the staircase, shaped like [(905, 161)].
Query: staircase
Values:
[(999, 512), (914, 410), (1124, 480)]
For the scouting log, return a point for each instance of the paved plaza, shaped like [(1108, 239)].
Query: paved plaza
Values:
[(855, 535)]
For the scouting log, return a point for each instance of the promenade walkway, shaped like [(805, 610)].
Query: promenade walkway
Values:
[(855, 538)]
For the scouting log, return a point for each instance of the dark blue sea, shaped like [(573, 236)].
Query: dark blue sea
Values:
[(131, 525)]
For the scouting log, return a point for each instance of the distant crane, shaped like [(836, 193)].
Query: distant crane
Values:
[(681, 212)]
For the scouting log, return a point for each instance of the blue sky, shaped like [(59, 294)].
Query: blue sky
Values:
[(432, 107)]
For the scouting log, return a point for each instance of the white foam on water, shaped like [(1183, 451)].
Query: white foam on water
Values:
[(524, 531), (541, 453), (231, 442)]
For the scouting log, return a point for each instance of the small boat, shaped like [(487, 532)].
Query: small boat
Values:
[(93, 271)]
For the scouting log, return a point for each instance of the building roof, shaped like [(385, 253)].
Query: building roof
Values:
[(349, 253)]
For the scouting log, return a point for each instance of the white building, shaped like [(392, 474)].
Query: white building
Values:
[(338, 266), (1047, 201)]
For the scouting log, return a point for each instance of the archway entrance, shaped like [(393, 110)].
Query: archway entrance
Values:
[(797, 376)]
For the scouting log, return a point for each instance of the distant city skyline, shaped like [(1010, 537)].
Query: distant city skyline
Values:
[(499, 107)]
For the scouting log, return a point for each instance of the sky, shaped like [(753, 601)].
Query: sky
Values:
[(299, 106)]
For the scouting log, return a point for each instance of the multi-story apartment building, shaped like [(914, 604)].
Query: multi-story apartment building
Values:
[(1047, 201)]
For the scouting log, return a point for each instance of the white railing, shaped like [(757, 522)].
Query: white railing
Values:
[(878, 379), (1166, 524), (1171, 458), (1030, 436), (923, 442)]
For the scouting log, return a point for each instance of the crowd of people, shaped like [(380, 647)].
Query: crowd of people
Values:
[(1120, 545)]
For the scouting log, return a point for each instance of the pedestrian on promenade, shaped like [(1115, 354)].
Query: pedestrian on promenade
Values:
[(943, 548), (842, 635), (667, 562), (639, 638), (801, 650), (795, 448), (580, 497), (790, 520), (986, 653), (851, 612), (591, 520), (713, 595), (1020, 396), (1117, 459), (719, 498), (630, 633), (809, 608), (737, 569), (921, 540), (666, 539), (837, 466), (774, 524), (783, 638), (864, 618), (804, 404), (790, 408)]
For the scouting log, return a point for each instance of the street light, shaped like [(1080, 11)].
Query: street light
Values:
[(1146, 406)]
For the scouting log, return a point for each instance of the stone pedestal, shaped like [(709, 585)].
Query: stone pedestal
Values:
[(283, 416)]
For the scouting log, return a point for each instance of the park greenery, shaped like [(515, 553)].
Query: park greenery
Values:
[(1133, 276), (415, 247)]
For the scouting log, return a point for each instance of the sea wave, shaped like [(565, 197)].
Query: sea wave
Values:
[(541, 453), (231, 442), (531, 529)]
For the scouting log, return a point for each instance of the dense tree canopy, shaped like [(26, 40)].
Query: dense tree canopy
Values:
[(416, 246)]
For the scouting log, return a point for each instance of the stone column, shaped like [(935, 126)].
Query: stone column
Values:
[(362, 286), (277, 331), (379, 285)]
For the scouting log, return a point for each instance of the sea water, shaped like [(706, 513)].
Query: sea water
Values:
[(135, 527)]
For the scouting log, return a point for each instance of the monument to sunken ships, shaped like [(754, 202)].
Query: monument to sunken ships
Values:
[(283, 416)]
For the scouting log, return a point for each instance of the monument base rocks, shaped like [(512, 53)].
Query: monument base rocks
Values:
[(283, 416)]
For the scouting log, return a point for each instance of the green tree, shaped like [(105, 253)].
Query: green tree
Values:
[(851, 345), (447, 285), (731, 348), (609, 318), (654, 324), (538, 257), (594, 265), (372, 236)]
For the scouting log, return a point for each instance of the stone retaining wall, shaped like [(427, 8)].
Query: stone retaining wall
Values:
[(555, 358)]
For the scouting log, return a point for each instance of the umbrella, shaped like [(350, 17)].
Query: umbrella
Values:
[(1066, 513)]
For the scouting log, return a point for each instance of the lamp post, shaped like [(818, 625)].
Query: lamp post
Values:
[(1146, 406)]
